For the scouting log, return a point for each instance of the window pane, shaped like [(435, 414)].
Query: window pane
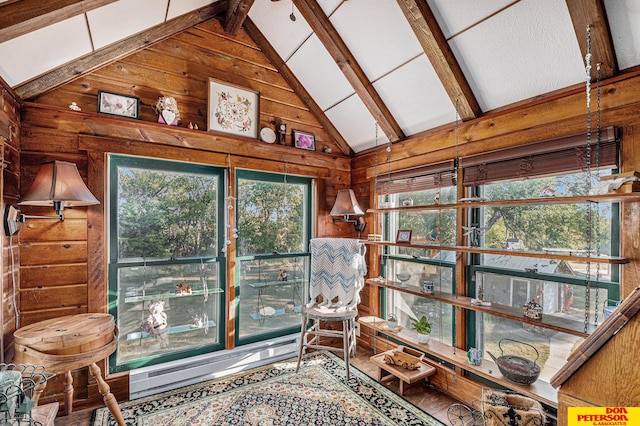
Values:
[(167, 309), (553, 347), (406, 306), (166, 214), (555, 228), (558, 299), (271, 294), (431, 227), (272, 216)]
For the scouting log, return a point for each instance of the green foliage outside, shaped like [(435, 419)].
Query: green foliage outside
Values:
[(270, 217), (577, 226), (166, 215)]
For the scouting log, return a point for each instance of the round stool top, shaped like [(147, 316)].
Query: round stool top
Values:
[(66, 343), (76, 329)]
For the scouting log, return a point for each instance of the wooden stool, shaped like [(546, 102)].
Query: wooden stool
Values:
[(406, 377), (68, 343)]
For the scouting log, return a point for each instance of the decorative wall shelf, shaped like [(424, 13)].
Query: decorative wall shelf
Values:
[(564, 325), (539, 390)]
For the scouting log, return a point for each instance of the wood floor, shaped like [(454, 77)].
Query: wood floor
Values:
[(429, 399)]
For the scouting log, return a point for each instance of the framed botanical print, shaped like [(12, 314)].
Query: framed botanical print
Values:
[(233, 109)]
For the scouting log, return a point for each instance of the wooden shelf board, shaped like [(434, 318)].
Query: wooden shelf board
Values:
[(539, 390), (517, 253), (154, 297), (580, 199), (564, 325)]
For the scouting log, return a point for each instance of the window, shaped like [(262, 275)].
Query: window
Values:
[(574, 292), (274, 228), (412, 266), (166, 269)]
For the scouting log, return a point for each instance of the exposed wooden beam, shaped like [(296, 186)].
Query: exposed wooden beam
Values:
[(237, 15), (325, 31), (25, 16), (444, 63), (591, 13), (271, 54), (100, 57)]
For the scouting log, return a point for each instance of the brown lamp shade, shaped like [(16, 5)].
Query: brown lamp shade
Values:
[(58, 184), (346, 204)]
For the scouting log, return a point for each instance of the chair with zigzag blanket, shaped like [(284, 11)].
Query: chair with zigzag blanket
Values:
[(337, 275)]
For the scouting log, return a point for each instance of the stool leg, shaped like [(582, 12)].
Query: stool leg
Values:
[(68, 393), (303, 327), (346, 341), (108, 398)]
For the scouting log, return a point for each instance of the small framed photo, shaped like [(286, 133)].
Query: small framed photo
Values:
[(304, 140), (233, 109), (120, 105), (404, 236)]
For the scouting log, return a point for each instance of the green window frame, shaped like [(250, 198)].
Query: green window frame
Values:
[(178, 215), (259, 288)]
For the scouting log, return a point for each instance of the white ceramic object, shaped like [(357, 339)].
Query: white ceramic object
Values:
[(267, 135)]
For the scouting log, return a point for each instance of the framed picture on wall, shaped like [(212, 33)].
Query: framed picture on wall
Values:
[(233, 109), (304, 140), (120, 105)]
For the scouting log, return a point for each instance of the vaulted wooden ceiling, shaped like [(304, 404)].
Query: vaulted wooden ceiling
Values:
[(407, 65)]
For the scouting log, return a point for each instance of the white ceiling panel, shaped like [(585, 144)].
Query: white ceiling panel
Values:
[(180, 7), (124, 18), (354, 122), (319, 74), (330, 6), (274, 22), (456, 16), (415, 97), (624, 19), (35, 53), (526, 50), (377, 34)]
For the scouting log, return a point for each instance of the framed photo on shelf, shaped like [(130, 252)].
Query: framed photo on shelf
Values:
[(120, 105), (304, 140), (233, 109), (403, 236)]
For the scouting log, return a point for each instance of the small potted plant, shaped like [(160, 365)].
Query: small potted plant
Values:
[(422, 327)]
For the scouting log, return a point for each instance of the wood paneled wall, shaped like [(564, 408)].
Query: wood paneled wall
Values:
[(63, 264), (9, 192)]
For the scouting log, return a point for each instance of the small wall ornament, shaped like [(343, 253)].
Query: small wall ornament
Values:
[(167, 109)]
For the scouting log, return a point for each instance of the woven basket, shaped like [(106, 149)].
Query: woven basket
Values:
[(506, 409)]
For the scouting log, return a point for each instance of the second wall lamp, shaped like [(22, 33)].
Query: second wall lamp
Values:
[(346, 205)]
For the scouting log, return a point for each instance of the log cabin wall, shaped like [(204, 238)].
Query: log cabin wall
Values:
[(9, 192), (63, 264)]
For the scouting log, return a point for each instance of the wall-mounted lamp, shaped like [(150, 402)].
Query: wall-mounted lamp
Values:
[(57, 184), (346, 205)]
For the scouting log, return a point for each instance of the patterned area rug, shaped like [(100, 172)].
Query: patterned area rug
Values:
[(275, 395)]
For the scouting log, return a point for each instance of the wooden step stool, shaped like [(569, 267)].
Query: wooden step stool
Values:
[(406, 377)]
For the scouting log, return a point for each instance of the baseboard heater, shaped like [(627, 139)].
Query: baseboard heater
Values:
[(171, 375)]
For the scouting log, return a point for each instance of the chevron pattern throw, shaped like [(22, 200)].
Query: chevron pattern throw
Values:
[(337, 270)]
